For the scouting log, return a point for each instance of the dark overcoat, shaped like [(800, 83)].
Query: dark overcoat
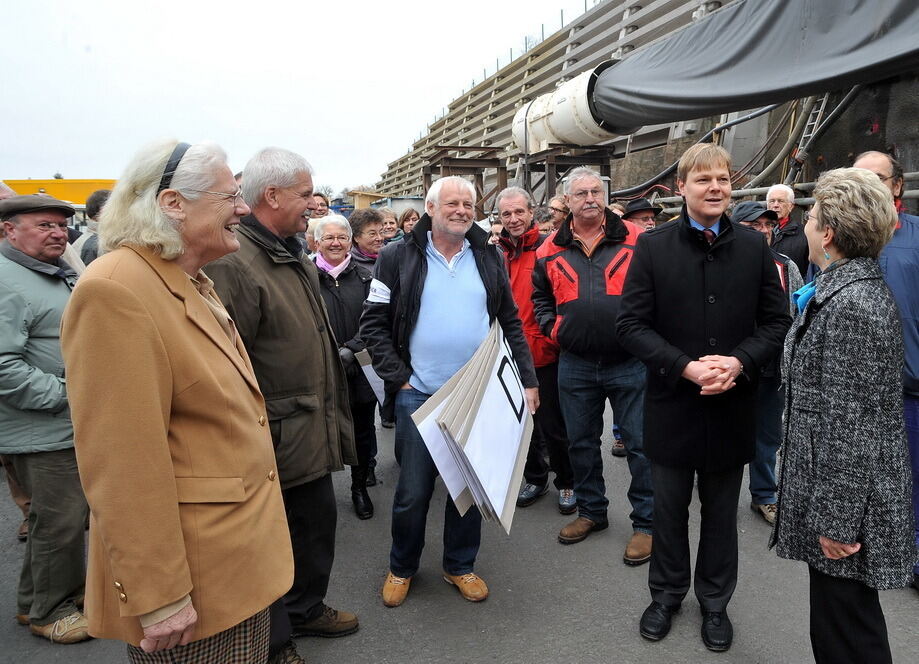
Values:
[(273, 298), (682, 300), (344, 298), (845, 466)]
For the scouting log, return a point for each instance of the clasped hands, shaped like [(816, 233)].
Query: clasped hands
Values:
[(715, 374)]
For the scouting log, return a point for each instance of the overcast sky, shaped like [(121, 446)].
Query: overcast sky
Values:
[(349, 85)]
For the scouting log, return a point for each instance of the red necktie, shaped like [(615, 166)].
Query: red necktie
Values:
[(709, 235)]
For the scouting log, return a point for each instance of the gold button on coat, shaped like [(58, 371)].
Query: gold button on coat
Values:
[(262, 420), (122, 597), (119, 586), (272, 475)]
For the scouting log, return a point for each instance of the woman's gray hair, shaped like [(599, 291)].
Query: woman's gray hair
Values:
[(388, 212), (271, 167), (330, 220), (859, 208), (433, 196), (133, 215)]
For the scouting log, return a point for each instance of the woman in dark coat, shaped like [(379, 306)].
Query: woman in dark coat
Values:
[(344, 285), (844, 489)]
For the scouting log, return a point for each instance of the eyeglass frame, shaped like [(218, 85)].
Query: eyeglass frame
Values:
[(222, 194)]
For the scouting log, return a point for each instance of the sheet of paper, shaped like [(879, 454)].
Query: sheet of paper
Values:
[(425, 419), (496, 439), (376, 383)]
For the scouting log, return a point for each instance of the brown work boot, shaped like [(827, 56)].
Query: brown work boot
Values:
[(579, 529), (395, 588), (638, 550), (22, 618), (69, 629), (471, 586), (329, 624), (288, 655)]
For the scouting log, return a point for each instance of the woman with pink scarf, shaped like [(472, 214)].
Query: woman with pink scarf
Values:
[(345, 284)]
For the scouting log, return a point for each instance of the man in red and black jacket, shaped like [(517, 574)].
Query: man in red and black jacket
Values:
[(519, 239), (577, 284)]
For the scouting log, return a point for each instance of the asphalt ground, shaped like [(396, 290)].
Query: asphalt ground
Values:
[(549, 603)]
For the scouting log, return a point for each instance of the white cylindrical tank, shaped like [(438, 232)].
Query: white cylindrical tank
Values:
[(562, 116)]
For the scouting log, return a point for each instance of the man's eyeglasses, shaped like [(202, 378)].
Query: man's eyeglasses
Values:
[(559, 210), (596, 193), (237, 197)]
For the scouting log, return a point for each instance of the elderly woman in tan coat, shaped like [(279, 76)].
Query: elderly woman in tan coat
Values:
[(188, 538)]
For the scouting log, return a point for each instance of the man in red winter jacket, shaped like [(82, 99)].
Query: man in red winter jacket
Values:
[(520, 239)]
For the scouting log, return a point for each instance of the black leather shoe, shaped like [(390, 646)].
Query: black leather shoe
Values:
[(717, 631), (655, 621), (363, 507)]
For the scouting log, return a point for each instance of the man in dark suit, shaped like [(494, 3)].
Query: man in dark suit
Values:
[(704, 310)]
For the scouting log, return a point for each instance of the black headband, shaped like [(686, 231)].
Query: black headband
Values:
[(172, 165)]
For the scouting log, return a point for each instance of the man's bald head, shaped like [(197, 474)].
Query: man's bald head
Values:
[(885, 167)]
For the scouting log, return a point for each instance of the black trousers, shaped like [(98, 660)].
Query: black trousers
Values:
[(847, 623), (311, 517), (716, 558), (548, 429), (365, 430)]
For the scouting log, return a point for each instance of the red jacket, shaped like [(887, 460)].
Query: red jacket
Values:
[(521, 258), (576, 297)]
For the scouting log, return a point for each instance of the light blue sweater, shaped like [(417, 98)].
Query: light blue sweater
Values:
[(452, 320)]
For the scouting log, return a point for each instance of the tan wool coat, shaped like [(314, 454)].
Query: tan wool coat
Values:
[(174, 452)]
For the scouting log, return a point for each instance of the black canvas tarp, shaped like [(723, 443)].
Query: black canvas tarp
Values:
[(758, 52)]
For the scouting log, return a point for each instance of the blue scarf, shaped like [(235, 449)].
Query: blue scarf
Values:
[(803, 295)]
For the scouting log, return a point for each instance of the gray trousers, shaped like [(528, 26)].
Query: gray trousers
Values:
[(54, 567)]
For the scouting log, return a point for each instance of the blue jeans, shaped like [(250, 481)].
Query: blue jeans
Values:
[(769, 399), (417, 473), (911, 415), (584, 386)]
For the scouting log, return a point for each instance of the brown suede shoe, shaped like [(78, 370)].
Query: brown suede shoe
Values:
[(69, 629), (329, 624), (579, 529), (638, 550), (471, 586), (22, 619), (395, 588)]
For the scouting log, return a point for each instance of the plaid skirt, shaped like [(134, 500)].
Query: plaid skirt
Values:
[(246, 643)]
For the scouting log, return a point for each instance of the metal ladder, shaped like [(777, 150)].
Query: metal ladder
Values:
[(816, 117)]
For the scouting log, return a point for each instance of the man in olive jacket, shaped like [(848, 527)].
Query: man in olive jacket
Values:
[(704, 310), (271, 291)]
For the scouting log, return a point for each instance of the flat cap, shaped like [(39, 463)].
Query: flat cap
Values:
[(751, 211), (10, 207)]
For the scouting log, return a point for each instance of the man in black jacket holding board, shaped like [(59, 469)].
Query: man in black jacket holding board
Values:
[(704, 310)]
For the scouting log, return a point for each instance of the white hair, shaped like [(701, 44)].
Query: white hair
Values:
[(433, 196), (580, 173), (132, 215), (788, 191), (514, 192), (330, 220), (271, 167)]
